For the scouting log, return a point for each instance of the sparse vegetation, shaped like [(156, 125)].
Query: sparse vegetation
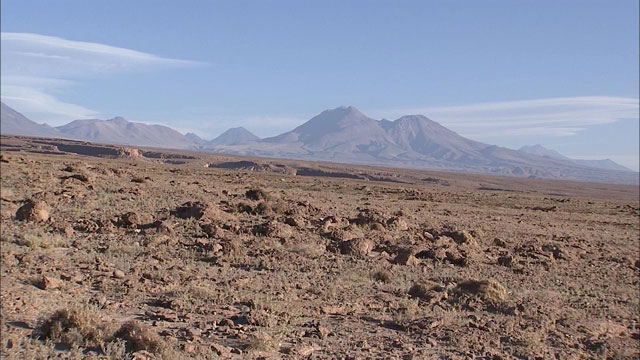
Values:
[(78, 325), (257, 194), (138, 337), (486, 289), (37, 239), (382, 275), (192, 265)]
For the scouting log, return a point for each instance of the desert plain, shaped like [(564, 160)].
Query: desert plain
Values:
[(113, 252)]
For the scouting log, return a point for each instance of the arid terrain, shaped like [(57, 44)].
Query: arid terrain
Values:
[(119, 252)]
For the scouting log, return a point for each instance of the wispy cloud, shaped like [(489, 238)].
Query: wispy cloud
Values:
[(38, 102), (36, 66), (541, 117), (35, 54)]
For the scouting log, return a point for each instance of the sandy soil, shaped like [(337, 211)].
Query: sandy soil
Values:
[(154, 254)]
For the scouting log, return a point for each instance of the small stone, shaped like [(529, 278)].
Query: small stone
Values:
[(306, 350), (189, 348), (506, 260), (130, 219), (323, 332), (433, 342), (193, 332), (143, 355), (81, 177), (119, 274), (377, 227), (500, 243), (296, 221), (213, 231), (274, 229), (406, 257), (50, 283), (134, 219), (560, 254), (68, 231), (198, 210), (163, 227), (101, 300), (397, 223), (463, 237), (221, 350), (358, 247)]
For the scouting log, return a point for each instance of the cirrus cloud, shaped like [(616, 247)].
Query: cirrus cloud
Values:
[(35, 67), (564, 116), (41, 55)]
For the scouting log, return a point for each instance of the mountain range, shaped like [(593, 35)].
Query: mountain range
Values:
[(605, 164), (13, 122), (346, 135)]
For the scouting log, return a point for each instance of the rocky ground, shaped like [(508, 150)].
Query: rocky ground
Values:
[(133, 257)]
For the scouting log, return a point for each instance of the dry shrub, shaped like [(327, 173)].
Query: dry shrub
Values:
[(408, 310), (263, 318), (139, 337), (281, 207), (78, 325), (257, 194), (115, 349), (38, 239), (382, 275), (421, 290), (267, 208), (486, 289), (244, 208), (429, 292), (308, 249), (263, 209), (235, 249), (261, 342)]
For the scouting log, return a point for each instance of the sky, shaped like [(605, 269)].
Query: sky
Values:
[(563, 74)]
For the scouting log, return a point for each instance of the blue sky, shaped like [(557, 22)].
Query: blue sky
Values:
[(560, 73)]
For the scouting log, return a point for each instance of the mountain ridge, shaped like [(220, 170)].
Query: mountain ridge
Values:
[(118, 130), (234, 136), (605, 164), (15, 123), (346, 135)]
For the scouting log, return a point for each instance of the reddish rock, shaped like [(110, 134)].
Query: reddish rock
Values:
[(406, 258), (33, 210), (357, 247), (50, 283), (198, 210)]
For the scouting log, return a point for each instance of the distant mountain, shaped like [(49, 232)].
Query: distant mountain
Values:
[(346, 135), (120, 131), (14, 123), (543, 151), (234, 136), (605, 164), (195, 139)]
